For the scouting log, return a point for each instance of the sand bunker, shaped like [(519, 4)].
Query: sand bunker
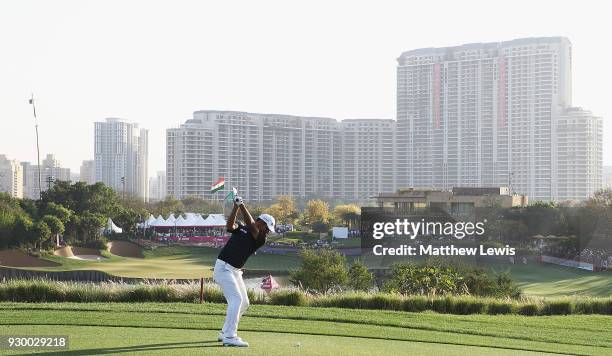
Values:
[(88, 257), (79, 253), (124, 249), (16, 258)]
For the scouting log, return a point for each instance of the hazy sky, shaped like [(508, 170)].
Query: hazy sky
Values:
[(156, 62)]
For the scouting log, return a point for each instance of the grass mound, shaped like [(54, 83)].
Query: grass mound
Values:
[(17, 258), (125, 249)]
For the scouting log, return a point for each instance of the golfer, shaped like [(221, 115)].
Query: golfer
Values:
[(245, 240)]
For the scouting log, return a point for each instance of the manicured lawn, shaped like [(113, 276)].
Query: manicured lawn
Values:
[(170, 262), (548, 280), (177, 328), (194, 262)]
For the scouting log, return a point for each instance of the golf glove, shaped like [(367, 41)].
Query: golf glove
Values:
[(238, 200)]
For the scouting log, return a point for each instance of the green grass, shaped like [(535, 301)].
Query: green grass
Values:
[(195, 262), (553, 281), (170, 262), (180, 328)]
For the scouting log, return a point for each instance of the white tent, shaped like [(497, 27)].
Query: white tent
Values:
[(199, 220), (191, 220), (215, 220), (181, 222), (159, 222), (149, 221), (111, 227)]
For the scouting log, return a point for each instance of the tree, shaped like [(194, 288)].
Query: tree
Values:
[(90, 225), (127, 218), (202, 206), (38, 233), (321, 271), (79, 197), (21, 229), (284, 210), (359, 278), (10, 211), (168, 206), (317, 211), (544, 219), (320, 226), (59, 211), (55, 225), (349, 214), (508, 231), (601, 199)]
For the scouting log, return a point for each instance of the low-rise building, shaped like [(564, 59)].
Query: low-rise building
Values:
[(457, 201)]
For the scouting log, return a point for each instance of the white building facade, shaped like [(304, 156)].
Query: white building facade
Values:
[(267, 155), (11, 177), (87, 172), (579, 154), (157, 187), (51, 172), (121, 157), (485, 114)]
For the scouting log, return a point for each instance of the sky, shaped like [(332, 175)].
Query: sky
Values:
[(155, 63)]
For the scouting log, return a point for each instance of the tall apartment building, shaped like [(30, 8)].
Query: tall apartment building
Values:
[(267, 155), (121, 156), (87, 172), (157, 186), (579, 154), (11, 177), (607, 177), (367, 157), (484, 114), (51, 171)]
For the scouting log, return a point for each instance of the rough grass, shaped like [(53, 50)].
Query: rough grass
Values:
[(51, 291), (191, 328)]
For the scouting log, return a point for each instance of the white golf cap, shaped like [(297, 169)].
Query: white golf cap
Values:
[(269, 220)]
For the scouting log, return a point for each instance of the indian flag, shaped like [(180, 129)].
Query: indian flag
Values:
[(218, 185)]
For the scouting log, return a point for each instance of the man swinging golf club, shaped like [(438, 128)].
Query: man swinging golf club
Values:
[(245, 240)]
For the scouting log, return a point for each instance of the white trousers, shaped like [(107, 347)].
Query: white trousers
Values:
[(234, 290)]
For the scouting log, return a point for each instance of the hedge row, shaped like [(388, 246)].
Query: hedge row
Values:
[(52, 291)]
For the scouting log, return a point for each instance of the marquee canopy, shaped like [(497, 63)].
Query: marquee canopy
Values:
[(189, 220)]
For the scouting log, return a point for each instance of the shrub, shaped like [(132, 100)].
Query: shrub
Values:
[(557, 307), (468, 305), (407, 278), (495, 307), (288, 297), (593, 306), (350, 300), (321, 271), (529, 309), (35, 291), (416, 304), (386, 302), (442, 305), (442, 278), (98, 244), (359, 278)]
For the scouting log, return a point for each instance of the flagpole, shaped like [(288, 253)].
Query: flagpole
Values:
[(37, 147)]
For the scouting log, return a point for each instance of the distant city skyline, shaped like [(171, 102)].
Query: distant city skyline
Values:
[(157, 64)]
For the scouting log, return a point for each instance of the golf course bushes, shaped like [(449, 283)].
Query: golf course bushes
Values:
[(35, 291)]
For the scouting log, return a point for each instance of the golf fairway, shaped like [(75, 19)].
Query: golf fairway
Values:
[(173, 328)]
